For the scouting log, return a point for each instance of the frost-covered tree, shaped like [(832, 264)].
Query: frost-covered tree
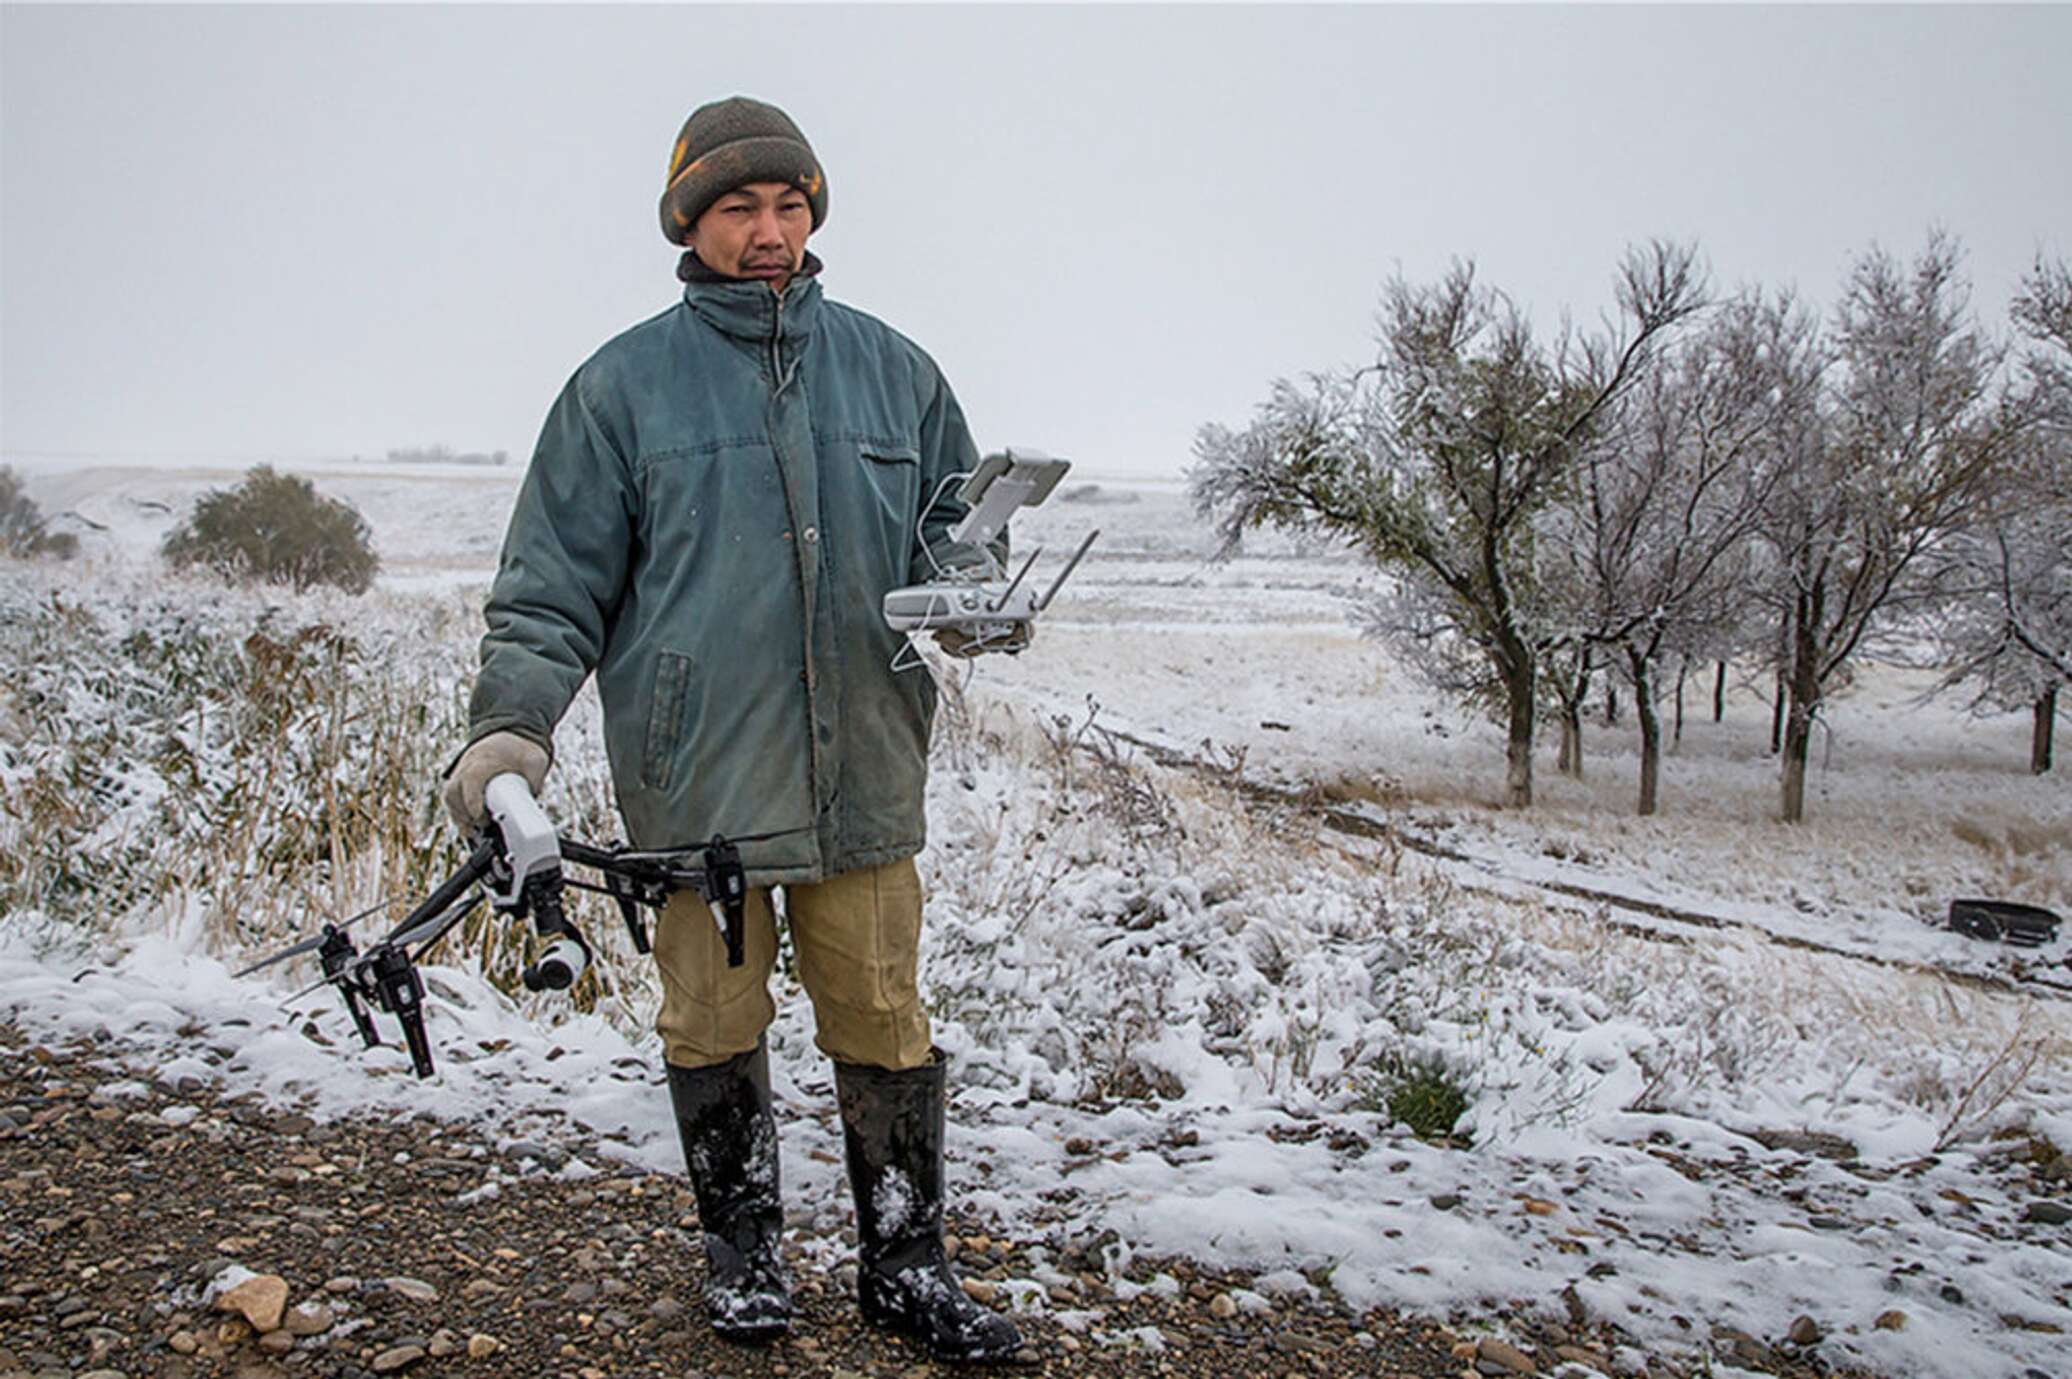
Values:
[(2007, 628), (1436, 459), (1911, 431), (2039, 603), (1657, 532)]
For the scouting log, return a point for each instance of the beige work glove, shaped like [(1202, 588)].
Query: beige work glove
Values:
[(956, 642), (485, 759)]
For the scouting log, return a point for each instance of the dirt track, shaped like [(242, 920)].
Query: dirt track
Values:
[(119, 1201)]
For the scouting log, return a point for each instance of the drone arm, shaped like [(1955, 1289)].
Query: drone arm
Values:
[(719, 879), (479, 864)]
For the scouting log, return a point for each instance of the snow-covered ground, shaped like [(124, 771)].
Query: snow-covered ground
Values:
[(1171, 1011)]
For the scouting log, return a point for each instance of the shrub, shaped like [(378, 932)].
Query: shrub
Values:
[(278, 528), (1420, 1092), (21, 524)]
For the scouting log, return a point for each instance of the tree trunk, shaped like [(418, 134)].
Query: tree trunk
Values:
[(1518, 753), (1650, 731), (1719, 692), (1683, 668), (1804, 694), (1777, 711), (1798, 735), (1785, 653), (1573, 695), (1611, 705), (2040, 730), (1515, 664)]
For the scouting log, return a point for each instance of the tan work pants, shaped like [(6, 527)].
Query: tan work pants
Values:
[(857, 940)]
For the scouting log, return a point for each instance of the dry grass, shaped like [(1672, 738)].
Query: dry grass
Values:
[(245, 766)]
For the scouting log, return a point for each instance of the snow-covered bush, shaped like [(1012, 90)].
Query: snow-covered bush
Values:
[(22, 531)]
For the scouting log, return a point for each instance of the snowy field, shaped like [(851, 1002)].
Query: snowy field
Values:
[(1172, 1008)]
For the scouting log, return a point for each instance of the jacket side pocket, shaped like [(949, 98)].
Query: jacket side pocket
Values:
[(665, 719)]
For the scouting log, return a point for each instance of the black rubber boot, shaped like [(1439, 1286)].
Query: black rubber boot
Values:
[(729, 1138), (892, 1128)]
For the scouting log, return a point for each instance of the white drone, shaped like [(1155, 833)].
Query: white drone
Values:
[(980, 601)]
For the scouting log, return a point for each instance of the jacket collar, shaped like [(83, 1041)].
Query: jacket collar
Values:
[(747, 309)]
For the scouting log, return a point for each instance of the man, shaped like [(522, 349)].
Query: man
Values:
[(720, 499)]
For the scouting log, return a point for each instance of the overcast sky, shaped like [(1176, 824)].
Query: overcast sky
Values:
[(297, 233)]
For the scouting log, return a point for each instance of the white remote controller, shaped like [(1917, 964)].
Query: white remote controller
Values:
[(979, 609), (984, 606)]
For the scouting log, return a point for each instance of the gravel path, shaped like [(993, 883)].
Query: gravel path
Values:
[(122, 1200)]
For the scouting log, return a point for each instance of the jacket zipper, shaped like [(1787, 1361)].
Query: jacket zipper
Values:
[(814, 757)]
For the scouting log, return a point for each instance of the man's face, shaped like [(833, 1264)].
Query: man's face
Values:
[(757, 231)]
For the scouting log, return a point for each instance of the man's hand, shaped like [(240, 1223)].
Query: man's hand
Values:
[(485, 759), (955, 641)]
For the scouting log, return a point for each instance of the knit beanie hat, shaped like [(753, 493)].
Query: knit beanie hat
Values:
[(729, 144)]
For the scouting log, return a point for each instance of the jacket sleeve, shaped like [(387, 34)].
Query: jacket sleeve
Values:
[(560, 579), (946, 449)]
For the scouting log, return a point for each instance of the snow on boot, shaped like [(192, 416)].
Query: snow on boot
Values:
[(729, 1134), (892, 1132)]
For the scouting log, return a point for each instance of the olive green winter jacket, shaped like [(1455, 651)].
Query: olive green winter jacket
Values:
[(720, 499)]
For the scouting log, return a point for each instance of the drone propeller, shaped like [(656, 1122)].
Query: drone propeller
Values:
[(312, 943)]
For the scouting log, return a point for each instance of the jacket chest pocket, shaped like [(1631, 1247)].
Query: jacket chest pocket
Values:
[(889, 480), (893, 472)]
